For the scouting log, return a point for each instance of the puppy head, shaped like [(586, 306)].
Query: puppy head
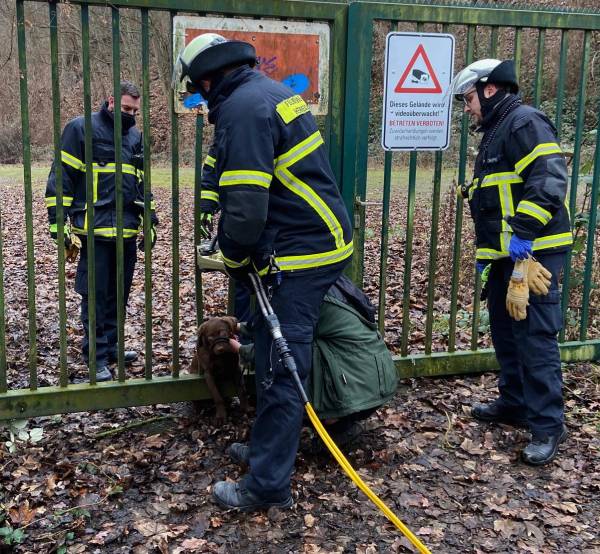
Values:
[(214, 334)]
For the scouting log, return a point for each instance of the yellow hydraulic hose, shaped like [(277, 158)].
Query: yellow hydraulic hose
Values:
[(345, 464), (287, 360)]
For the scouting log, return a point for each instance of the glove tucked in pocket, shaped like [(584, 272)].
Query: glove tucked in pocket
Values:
[(517, 295)]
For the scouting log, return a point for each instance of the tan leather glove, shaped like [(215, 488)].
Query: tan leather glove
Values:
[(538, 277), (517, 296), (72, 247)]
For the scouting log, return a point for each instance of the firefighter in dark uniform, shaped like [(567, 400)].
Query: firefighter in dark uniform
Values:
[(517, 201), (282, 216), (105, 231)]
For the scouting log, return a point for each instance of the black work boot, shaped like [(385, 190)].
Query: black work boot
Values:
[(103, 374), (497, 412), (129, 357), (239, 453), (230, 495), (543, 448)]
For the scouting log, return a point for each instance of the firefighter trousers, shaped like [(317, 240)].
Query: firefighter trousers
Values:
[(530, 382), (106, 294), (276, 430)]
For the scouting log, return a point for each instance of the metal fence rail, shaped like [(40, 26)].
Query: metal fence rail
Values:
[(346, 135)]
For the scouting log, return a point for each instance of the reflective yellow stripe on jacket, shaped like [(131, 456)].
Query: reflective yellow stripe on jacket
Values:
[(111, 167), (551, 241), (543, 149), (107, 232), (51, 201), (233, 264), (245, 177), (535, 211), (308, 261), (209, 195), (305, 191)]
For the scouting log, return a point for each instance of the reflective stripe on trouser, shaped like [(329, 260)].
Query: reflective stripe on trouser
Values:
[(106, 294), (279, 410), (530, 381)]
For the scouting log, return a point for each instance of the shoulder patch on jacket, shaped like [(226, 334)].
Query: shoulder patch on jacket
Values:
[(291, 108)]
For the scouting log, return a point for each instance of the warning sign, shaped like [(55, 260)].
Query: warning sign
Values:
[(417, 102), (426, 81)]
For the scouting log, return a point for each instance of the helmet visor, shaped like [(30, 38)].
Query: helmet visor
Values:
[(464, 82), (180, 71)]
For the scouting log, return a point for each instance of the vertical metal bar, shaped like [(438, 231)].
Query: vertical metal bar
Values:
[(539, 68), (477, 288), (410, 224), (493, 41), (517, 49), (197, 186), (3, 380), (337, 98), (118, 138), (62, 309), (591, 236), (435, 218), (462, 162), (562, 72), (385, 230), (147, 192), (356, 120), (89, 190), (476, 306), (26, 138), (175, 219), (410, 217), (580, 122)]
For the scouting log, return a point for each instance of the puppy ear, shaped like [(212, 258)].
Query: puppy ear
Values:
[(232, 322), (202, 334)]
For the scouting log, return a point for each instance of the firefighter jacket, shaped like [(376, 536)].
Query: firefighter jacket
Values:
[(520, 183), (104, 168), (276, 189)]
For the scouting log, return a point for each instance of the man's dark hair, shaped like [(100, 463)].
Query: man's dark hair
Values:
[(129, 89)]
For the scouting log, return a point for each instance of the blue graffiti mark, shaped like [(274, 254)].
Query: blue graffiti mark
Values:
[(267, 65), (297, 82), (193, 101)]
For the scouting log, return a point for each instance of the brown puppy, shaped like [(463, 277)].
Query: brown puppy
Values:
[(216, 359)]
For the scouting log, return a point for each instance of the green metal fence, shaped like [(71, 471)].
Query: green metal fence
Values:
[(352, 113)]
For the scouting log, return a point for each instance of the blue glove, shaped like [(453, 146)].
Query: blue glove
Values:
[(480, 266), (519, 249)]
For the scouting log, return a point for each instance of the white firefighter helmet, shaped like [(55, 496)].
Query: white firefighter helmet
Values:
[(207, 54), (485, 71)]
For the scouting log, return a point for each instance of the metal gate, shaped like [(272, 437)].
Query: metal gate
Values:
[(351, 115)]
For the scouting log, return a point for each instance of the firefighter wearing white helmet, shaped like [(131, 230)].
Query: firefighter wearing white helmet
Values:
[(206, 56), (517, 202), (282, 216)]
